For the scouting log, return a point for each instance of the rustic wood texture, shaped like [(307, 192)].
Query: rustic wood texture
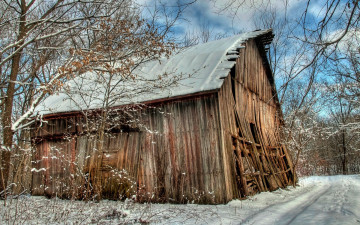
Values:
[(208, 148), (250, 119), (177, 157)]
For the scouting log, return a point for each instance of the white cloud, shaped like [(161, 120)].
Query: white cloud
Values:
[(241, 14), (228, 20), (351, 40), (143, 2), (317, 9)]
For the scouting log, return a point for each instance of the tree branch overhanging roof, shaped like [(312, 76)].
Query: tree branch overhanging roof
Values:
[(202, 67)]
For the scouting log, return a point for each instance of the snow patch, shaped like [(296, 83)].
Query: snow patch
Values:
[(37, 170), (317, 200)]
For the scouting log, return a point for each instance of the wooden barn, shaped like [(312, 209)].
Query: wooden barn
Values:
[(214, 137)]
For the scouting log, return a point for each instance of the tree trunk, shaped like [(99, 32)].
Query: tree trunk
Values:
[(344, 162), (8, 104)]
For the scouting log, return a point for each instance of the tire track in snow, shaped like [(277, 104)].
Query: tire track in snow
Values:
[(308, 204), (285, 213), (330, 203)]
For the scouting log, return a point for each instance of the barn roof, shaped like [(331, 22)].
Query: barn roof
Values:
[(200, 68)]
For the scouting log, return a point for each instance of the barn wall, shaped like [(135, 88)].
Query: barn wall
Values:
[(255, 95), (176, 155), (254, 157)]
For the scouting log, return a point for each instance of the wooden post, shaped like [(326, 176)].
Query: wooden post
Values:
[(243, 183)]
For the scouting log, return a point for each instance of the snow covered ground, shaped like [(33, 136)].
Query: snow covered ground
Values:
[(317, 200)]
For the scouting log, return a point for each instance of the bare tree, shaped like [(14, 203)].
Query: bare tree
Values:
[(343, 91), (35, 41), (43, 44)]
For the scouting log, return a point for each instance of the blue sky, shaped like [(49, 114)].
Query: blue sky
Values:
[(233, 20), (228, 22)]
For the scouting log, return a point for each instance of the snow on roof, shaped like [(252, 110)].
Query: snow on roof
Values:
[(201, 68)]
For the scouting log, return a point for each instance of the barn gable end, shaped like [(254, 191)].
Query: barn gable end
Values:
[(208, 147), (251, 120)]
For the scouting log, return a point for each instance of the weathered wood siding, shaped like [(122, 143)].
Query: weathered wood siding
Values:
[(250, 118), (53, 167), (176, 154)]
